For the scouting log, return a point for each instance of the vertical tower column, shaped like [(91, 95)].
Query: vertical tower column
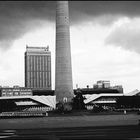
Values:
[(63, 69)]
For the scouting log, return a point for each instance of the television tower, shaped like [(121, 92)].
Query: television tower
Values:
[(63, 68)]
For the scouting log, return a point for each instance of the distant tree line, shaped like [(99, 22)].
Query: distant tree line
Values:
[(78, 101)]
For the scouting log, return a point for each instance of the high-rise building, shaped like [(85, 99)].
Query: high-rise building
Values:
[(63, 69), (38, 67)]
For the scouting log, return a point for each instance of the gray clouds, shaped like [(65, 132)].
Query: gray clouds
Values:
[(20, 17), (84, 10), (126, 36)]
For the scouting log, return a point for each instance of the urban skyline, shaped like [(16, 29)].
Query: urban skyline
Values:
[(105, 45)]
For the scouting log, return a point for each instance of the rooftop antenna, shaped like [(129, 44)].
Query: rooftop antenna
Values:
[(47, 47)]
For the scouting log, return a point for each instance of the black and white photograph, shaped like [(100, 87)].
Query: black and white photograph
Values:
[(69, 70)]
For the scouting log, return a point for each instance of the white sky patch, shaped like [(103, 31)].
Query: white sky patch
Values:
[(92, 59), (121, 21), (125, 34), (12, 61)]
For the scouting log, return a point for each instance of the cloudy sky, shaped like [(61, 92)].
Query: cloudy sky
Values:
[(105, 40)]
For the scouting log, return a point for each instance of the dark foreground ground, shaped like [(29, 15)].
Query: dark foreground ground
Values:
[(76, 133), (72, 127)]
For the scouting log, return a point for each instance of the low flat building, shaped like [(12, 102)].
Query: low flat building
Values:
[(16, 91), (21, 98), (27, 103), (107, 98), (85, 91)]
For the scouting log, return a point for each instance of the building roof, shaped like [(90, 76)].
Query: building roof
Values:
[(132, 93), (93, 97), (46, 100)]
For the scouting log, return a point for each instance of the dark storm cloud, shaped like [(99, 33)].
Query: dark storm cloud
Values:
[(19, 17), (81, 11)]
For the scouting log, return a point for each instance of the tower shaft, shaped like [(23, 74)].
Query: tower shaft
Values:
[(63, 68)]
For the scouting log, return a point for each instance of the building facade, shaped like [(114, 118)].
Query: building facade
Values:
[(15, 91), (118, 87), (38, 68), (103, 84)]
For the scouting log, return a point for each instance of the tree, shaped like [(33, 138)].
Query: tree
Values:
[(78, 101)]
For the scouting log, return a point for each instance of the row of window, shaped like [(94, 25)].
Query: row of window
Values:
[(38, 63), (16, 93)]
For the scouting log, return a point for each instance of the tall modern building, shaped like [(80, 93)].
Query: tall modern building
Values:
[(38, 68), (63, 68)]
